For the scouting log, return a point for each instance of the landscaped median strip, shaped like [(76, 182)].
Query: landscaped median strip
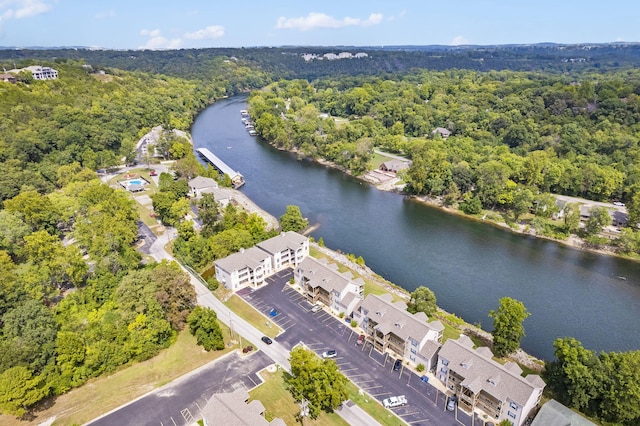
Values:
[(250, 314)]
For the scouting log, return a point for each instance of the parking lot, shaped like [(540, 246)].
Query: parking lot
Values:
[(370, 370)]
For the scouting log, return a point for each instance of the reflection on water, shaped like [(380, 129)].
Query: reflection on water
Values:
[(469, 265)]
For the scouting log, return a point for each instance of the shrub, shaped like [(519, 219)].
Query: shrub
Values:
[(212, 283), (354, 323), (341, 314), (420, 368)]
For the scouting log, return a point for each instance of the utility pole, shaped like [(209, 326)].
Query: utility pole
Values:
[(304, 410)]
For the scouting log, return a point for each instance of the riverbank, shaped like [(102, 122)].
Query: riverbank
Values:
[(573, 241), (392, 185)]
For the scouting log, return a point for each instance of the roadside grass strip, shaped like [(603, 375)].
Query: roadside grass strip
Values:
[(253, 316)]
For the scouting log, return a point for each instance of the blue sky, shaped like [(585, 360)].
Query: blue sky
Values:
[(136, 24)]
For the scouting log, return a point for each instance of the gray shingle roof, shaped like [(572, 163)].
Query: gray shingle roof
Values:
[(323, 275), (251, 257), (555, 414), (286, 240), (481, 370), (393, 317), (200, 182), (231, 409)]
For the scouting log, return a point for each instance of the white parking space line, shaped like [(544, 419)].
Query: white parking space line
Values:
[(284, 324), (345, 370), (186, 414), (418, 421)]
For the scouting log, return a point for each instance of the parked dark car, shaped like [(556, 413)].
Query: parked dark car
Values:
[(267, 340), (397, 365)]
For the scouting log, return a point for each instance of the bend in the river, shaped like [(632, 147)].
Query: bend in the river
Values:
[(469, 265)]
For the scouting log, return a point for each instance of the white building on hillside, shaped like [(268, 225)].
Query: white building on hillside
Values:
[(39, 72)]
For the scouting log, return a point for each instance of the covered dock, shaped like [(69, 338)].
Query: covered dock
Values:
[(236, 178)]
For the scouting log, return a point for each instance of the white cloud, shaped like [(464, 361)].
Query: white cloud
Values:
[(321, 20), (157, 41), (398, 16), (18, 9), (459, 40), (106, 14), (210, 32)]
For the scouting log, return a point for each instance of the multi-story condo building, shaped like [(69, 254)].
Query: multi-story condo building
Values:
[(485, 386), (391, 328), (251, 267), (322, 282)]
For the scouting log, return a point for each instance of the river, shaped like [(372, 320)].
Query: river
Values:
[(468, 265)]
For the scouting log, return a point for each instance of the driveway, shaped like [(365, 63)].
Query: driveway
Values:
[(370, 370), (179, 403)]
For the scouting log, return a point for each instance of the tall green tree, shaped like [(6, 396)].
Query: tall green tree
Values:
[(317, 381), (203, 324), (598, 219), (292, 219), (20, 389), (422, 300), (507, 326)]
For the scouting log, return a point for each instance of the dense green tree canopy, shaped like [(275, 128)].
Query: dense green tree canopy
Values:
[(422, 300), (507, 326), (292, 220), (203, 323), (605, 385), (317, 381)]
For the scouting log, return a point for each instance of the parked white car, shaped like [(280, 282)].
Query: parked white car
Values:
[(394, 401)]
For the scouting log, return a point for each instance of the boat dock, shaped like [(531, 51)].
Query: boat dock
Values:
[(236, 178)]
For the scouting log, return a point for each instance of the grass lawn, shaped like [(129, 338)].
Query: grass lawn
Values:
[(376, 160), (279, 403), (251, 315), (373, 407), (81, 405)]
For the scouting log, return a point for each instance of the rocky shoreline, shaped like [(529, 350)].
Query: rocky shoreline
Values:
[(520, 356)]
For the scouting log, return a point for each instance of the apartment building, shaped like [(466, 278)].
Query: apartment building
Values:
[(391, 328), (485, 386)]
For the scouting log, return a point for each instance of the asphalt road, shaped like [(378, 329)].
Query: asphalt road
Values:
[(179, 403), (370, 370)]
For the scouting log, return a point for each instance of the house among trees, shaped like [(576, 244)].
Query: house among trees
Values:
[(251, 267), (395, 165), (202, 185), (8, 78), (485, 386), (234, 409), (391, 328), (322, 282), (445, 133), (39, 72)]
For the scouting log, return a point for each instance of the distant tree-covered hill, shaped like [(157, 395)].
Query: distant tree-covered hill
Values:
[(288, 62)]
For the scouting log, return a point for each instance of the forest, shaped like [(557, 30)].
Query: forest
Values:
[(515, 137), (287, 61), (76, 298)]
